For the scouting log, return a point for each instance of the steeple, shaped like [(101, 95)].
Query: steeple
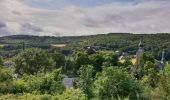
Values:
[(141, 43), (163, 56), (139, 56), (162, 62)]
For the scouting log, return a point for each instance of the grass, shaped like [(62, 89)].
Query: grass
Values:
[(2, 45)]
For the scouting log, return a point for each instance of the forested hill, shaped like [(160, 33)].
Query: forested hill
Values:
[(34, 39), (100, 38), (124, 42)]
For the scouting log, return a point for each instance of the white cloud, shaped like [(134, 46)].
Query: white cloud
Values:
[(144, 17)]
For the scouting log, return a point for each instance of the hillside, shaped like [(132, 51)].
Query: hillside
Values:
[(124, 42)]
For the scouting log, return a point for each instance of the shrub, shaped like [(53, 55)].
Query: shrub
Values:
[(5, 75), (113, 82), (71, 94), (18, 86), (32, 61)]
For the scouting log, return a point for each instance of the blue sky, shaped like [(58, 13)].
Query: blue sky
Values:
[(56, 4), (83, 17)]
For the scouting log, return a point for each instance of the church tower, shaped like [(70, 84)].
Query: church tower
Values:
[(139, 56), (162, 62)]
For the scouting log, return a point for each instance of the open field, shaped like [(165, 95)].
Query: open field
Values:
[(59, 45), (2, 45)]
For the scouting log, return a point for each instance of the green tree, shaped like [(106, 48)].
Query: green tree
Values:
[(165, 79), (86, 79), (80, 59), (150, 73), (32, 61), (18, 86), (113, 82), (100, 58), (5, 75), (1, 62), (59, 59), (148, 57), (5, 80), (111, 58), (97, 61), (52, 83)]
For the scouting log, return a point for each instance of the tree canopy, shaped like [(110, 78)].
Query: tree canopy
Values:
[(32, 61)]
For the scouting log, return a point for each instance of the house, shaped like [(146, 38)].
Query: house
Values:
[(68, 82), (8, 63)]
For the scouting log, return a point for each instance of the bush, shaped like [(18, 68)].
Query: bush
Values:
[(86, 80), (71, 94), (113, 82), (26, 96), (32, 61), (52, 83), (5, 75), (18, 86), (1, 62), (5, 80)]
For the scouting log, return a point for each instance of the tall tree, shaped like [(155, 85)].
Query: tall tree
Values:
[(59, 59), (150, 73), (97, 61), (86, 80), (113, 82), (80, 59), (1, 62), (32, 61)]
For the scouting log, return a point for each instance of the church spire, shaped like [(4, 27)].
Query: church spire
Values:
[(141, 43), (139, 56), (162, 62), (163, 56)]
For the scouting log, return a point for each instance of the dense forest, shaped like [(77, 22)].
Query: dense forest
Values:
[(101, 67)]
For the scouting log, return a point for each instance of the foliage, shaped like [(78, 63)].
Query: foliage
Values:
[(5, 75), (52, 83), (26, 96), (111, 58), (80, 59), (69, 94), (18, 86), (165, 79), (100, 75), (86, 79), (1, 62), (59, 59), (5, 80), (32, 61), (150, 72), (113, 82), (97, 61), (72, 94)]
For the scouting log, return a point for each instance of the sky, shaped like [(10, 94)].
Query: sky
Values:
[(83, 17)]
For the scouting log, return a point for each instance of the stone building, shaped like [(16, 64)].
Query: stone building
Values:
[(139, 56), (162, 63)]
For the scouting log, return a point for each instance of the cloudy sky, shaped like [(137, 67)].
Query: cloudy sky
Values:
[(83, 17)]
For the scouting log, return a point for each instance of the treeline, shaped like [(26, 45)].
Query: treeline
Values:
[(153, 43), (38, 74)]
